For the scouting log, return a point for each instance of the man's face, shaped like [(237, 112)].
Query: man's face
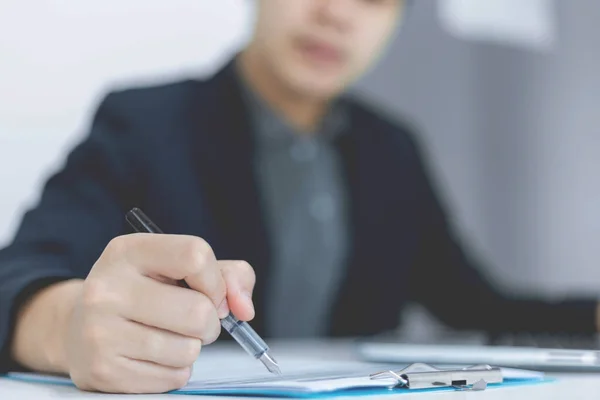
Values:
[(318, 47)]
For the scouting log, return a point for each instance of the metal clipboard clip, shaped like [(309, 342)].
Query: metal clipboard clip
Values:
[(425, 376)]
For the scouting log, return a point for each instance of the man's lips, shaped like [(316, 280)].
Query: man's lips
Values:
[(320, 52)]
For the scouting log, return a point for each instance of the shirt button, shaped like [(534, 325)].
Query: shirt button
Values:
[(304, 151), (322, 208)]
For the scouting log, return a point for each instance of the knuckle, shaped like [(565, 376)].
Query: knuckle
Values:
[(99, 372), (192, 351), (243, 270), (220, 292), (154, 345), (93, 292), (197, 308), (95, 339), (92, 335), (116, 250), (246, 269), (181, 377), (96, 293), (199, 311), (242, 266), (82, 383), (212, 331), (206, 322), (199, 252), (117, 245)]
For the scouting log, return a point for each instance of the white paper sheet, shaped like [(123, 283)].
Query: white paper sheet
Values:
[(235, 372), (235, 369), (524, 23)]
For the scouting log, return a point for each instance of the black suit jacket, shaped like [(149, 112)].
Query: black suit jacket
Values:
[(184, 152)]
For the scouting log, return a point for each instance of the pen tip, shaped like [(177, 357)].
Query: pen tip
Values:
[(270, 363)]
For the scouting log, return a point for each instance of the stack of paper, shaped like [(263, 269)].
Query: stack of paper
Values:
[(234, 373)]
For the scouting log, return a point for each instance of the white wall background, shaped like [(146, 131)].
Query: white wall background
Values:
[(57, 57), (515, 134)]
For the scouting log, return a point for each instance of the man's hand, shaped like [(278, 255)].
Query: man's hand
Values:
[(130, 328)]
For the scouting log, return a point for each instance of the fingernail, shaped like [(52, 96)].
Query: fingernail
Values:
[(223, 309)]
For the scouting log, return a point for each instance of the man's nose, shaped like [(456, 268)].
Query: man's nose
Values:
[(337, 12)]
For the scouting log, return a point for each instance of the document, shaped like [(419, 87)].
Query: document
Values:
[(234, 373)]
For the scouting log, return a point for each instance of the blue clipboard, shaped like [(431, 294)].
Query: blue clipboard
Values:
[(424, 379)]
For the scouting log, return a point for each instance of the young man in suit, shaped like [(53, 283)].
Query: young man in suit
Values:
[(286, 197)]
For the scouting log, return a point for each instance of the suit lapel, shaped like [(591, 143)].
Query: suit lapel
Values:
[(362, 293), (223, 136)]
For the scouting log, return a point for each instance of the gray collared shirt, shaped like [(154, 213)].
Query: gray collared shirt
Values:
[(303, 191)]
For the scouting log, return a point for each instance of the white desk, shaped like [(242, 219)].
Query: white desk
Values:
[(575, 386)]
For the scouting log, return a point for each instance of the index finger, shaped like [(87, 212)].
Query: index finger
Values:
[(176, 257)]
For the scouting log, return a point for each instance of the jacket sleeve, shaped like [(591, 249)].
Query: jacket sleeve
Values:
[(80, 210), (449, 284)]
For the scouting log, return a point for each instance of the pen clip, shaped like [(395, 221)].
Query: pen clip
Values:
[(425, 376)]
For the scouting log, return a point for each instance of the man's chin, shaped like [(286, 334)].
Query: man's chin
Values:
[(316, 86)]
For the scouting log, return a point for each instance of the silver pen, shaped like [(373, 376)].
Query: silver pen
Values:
[(241, 331)]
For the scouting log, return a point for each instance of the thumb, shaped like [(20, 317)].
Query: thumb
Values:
[(239, 279)]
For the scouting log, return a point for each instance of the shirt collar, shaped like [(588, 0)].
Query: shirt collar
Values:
[(271, 127)]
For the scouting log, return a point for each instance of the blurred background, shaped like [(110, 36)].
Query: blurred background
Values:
[(506, 94)]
